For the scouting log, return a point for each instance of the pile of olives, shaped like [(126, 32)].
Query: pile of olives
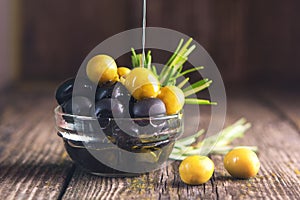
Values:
[(119, 92), (110, 101), (110, 92)]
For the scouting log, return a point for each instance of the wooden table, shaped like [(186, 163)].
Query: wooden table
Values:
[(34, 164)]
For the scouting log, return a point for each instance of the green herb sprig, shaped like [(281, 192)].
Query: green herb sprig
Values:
[(189, 146), (173, 70)]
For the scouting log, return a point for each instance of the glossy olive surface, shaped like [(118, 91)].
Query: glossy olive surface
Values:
[(142, 83), (102, 69), (196, 169), (242, 163), (78, 105), (64, 91), (104, 91), (149, 107), (109, 108)]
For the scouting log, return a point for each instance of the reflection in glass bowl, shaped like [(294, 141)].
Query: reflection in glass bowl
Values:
[(117, 147)]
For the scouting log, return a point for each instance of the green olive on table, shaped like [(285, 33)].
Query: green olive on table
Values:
[(102, 69), (241, 163), (196, 169), (142, 83)]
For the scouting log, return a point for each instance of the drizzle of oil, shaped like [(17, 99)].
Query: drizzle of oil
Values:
[(144, 32)]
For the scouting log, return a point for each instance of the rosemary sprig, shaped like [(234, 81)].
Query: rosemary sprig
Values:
[(197, 87), (221, 141), (187, 71), (185, 81), (173, 70), (199, 101)]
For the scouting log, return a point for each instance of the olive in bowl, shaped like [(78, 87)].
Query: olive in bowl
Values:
[(118, 152)]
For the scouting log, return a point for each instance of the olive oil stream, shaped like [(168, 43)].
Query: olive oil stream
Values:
[(144, 32)]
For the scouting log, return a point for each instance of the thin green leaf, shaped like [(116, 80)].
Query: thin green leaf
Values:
[(197, 84), (197, 89), (149, 60), (165, 81), (220, 142), (185, 46), (190, 139), (154, 70), (189, 51), (189, 71), (198, 101), (175, 53), (180, 85)]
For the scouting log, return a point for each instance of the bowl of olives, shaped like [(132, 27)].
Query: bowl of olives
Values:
[(119, 121), (111, 133)]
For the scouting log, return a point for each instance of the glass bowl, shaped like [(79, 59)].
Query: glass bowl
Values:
[(118, 147)]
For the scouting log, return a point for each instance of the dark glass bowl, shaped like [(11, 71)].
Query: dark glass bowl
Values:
[(118, 147)]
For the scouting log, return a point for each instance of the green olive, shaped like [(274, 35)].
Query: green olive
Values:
[(142, 83), (241, 163), (101, 69), (173, 98), (123, 71)]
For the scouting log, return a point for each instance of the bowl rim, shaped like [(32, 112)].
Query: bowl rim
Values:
[(58, 112)]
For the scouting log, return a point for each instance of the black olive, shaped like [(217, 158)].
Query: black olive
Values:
[(77, 105), (149, 107), (108, 108), (64, 92), (103, 92), (122, 139), (152, 107), (84, 88), (121, 93)]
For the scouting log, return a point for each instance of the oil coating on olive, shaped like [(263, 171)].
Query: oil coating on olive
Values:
[(64, 92), (77, 105), (108, 108), (121, 93), (122, 139), (142, 83), (83, 87), (149, 107), (173, 98), (115, 91), (123, 71), (103, 92)]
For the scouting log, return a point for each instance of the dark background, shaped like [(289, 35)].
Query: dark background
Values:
[(252, 42)]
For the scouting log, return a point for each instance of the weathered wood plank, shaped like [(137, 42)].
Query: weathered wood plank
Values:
[(278, 144), (277, 178), (33, 161), (286, 103)]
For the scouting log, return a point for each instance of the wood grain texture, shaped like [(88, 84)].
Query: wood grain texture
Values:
[(33, 162), (278, 144), (286, 103)]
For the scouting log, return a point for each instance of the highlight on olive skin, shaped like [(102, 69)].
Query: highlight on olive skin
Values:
[(242, 163), (101, 69), (142, 83), (196, 169)]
